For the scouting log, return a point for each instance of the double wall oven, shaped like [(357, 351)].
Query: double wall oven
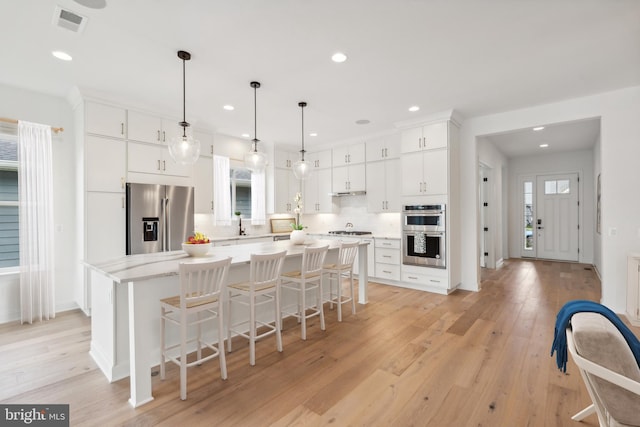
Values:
[(424, 235)]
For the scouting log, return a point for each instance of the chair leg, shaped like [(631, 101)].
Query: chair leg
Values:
[(353, 297), (229, 323), (278, 320), (339, 286), (584, 413), (252, 330), (221, 355), (183, 357), (162, 343), (300, 303), (302, 310), (319, 304), (331, 291), (199, 338)]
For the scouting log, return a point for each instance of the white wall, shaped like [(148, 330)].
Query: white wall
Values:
[(575, 161), (41, 108), (597, 237), (620, 131)]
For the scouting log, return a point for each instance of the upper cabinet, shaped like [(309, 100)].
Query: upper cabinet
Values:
[(348, 154), (319, 159), (285, 159), (383, 148), (203, 185), (105, 120), (425, 137), (206, 142), (105, 164), (145, 127)]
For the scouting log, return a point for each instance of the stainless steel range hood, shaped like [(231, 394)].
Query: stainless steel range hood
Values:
[(349, 193)]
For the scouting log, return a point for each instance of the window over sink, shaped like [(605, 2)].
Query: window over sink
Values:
[(9, 225)]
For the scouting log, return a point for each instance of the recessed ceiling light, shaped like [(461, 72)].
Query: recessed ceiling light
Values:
[(229, 107), (245, 135), (544, 145), (339, 57), (62, 55), (538, 128), (414, 108), (313, 134), (362, 122)]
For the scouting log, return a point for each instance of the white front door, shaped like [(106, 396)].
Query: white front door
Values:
[(556, 219)]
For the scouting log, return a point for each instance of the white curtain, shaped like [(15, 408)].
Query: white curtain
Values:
[(35, 179), (221, 191), (258, 214)]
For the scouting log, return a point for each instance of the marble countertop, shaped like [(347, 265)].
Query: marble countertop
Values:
[(133, 268)]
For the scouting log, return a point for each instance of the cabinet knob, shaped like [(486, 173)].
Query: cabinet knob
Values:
[(158, 135), (121, 128), (164, 136), (158, 164), (164, 165)]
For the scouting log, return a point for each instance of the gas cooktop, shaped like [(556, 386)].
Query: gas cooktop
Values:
[(350, 233)]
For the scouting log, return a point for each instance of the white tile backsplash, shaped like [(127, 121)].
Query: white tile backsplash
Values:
[(352, 209)]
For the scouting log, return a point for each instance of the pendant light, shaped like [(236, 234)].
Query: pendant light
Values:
[(183, 148), (255, 160), (302, 168)]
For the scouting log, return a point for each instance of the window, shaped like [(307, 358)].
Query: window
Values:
[(560, 186), (528, 215), (240, 191), (9, 226)]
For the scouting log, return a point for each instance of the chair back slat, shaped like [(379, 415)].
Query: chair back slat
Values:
[(203, 280), (266, 268), (347, 253), (313, 259)]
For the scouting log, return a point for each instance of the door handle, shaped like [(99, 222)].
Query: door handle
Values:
[(540, 228)]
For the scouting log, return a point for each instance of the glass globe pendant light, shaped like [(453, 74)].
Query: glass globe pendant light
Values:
[(183, 148), (302, 168), (255, 160)]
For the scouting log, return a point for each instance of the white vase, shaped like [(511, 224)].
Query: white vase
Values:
[(298, 237)]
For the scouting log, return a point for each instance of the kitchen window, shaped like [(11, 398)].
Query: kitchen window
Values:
[(240, 191), (9, 225)]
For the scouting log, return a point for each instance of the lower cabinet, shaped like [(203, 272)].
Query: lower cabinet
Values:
[(425, 278), (105, 225), (387, 256)]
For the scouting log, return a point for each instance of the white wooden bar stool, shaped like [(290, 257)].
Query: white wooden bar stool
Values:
[(203, 286), (309, 277), (343, 268), (263, 287)]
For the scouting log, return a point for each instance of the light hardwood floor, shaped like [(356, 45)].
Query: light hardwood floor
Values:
[(407, 358)]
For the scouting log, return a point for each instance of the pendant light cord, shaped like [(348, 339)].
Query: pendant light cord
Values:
[(302, 105), (184, 102), (255, 118)]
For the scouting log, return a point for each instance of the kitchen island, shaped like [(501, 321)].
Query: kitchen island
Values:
[(125, 294)]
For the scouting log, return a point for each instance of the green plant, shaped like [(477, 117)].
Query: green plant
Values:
[(237, 213)]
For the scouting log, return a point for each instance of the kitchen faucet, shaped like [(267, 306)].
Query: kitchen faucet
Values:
[(241, 230), (348, 226)]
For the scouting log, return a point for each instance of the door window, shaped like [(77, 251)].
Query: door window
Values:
[(528, 215)]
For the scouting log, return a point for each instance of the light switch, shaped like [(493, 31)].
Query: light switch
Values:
[(613, 231)]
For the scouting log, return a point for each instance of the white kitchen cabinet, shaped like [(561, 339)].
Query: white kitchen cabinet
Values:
[(206, 143), (247, 240), (105, 164), (425, 137), (284, 159), (633, 289), (225, 243), (317, 192), (387, 259), (105, 225), (286, 187), (425, 173), (154, 159), (348, 155), (425, 278), (319, 159), (349, 178), (383, 148), (153, 129), (203, 185), (382, 186), (105, 120)]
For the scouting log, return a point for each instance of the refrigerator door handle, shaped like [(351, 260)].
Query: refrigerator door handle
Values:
[(167, 217), (163, 225)]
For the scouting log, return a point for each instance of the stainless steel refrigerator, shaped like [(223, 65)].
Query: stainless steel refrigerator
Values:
[(159, 217)]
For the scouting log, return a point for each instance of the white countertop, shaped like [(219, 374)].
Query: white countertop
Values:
[(133, 268)]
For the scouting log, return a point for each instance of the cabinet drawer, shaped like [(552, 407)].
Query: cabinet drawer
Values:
[(388, 243), (225, 243), (389, 256), (387, 271), (424, 280)]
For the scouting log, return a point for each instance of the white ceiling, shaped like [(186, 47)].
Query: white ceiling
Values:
[(560, 137), (478, 57)]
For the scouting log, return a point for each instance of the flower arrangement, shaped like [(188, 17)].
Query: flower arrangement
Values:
[(298, 209)]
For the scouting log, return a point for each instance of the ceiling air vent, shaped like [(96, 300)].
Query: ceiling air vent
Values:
[(64, 18)]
